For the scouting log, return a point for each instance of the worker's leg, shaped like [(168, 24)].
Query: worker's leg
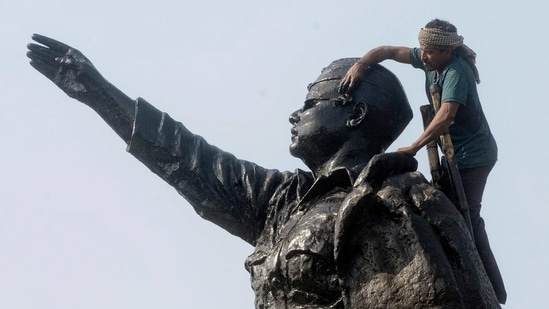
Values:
[(474, 181)]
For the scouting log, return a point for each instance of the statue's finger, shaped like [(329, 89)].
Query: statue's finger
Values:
[(41, 51), (47, 68), (51, 43)]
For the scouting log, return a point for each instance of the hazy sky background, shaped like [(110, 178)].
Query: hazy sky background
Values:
[(85, 225)]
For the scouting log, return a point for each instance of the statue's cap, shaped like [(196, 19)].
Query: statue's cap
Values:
[(330, 77)]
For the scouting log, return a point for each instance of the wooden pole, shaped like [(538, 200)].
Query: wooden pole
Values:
[(448, 151)]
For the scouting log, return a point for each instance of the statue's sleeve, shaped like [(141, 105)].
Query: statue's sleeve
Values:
[(231, 193)]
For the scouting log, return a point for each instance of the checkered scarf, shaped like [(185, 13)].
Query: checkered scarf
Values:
[(446, 39)]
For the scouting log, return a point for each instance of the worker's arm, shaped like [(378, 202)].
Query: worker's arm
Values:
[(376, 55), (440, 123)]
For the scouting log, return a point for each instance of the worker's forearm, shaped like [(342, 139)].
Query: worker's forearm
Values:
[(382, 53), (373, 56), (436, 128)]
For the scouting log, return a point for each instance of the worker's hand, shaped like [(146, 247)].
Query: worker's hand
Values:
[(412, 151), (353, 78), (66, 67)]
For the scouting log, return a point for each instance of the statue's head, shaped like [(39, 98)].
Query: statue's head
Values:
[(373, 115)]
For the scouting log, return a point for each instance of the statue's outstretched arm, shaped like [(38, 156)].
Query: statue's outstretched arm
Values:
[(232, 193), (71, 71)]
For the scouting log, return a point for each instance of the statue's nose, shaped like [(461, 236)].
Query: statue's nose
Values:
[(294, 117)]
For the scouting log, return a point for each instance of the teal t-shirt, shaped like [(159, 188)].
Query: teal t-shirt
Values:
[(473, 142)]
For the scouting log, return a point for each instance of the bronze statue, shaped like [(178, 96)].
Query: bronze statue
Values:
[(362, 229)]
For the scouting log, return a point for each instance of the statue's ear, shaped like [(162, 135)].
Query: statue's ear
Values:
[(358, 114)]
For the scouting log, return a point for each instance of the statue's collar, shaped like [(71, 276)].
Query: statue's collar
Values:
[(339, 177), (379, 168)]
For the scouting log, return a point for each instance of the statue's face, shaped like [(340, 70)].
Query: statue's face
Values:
[(319, 127)]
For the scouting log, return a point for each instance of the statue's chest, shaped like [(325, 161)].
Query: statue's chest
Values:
[(294, 256)]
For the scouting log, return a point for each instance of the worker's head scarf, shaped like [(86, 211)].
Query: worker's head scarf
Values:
[(446, 39)]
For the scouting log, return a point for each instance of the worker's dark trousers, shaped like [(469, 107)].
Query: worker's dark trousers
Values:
[(474, 181)]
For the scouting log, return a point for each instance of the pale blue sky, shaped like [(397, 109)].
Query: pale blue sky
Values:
[(85, 225)]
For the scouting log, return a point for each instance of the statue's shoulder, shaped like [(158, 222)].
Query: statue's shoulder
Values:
[(380, 189), (396, 240), (384, 166)]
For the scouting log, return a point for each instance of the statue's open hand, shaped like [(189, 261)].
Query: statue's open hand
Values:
[(67, 67)]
